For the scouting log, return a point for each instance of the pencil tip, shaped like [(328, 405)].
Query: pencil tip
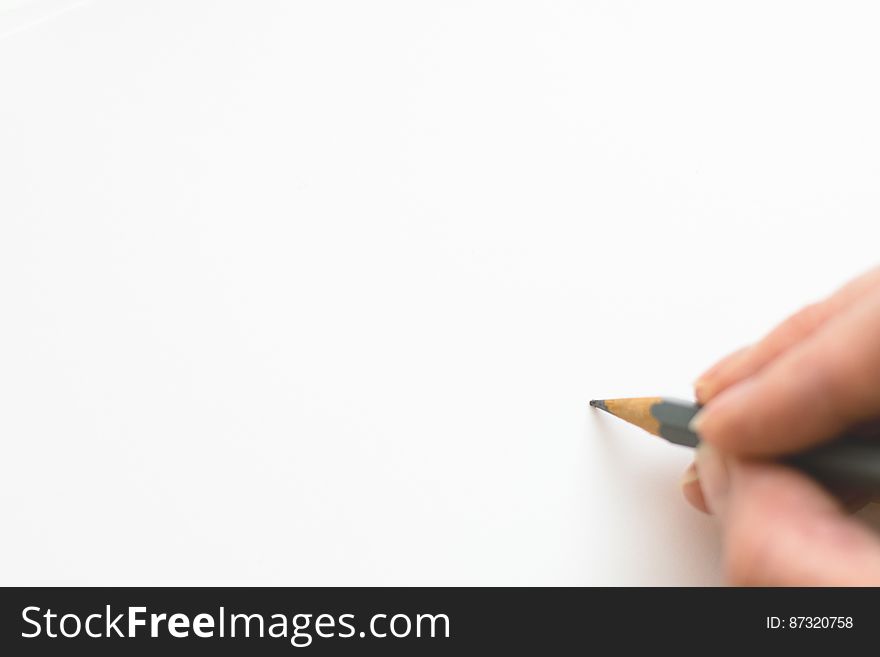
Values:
[(598, 403)]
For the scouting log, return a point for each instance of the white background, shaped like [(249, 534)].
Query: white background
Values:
[(317, 292)]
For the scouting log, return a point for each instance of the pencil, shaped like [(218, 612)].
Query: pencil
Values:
[(850, 461)]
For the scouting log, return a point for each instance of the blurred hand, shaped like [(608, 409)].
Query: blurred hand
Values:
[(814, 376)]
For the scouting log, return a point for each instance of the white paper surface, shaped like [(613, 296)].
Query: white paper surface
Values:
[(317, 292)]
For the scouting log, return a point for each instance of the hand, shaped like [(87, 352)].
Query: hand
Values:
[(814, 376)]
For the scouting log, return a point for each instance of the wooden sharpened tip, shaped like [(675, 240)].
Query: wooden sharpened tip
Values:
[(636, 410)]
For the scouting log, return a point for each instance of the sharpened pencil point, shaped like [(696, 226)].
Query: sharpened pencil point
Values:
[(635, 410)]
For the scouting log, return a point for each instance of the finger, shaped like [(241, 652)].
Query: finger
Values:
[(748, 362), (793, 330), (782, 529), (816, 390), (690, 488)]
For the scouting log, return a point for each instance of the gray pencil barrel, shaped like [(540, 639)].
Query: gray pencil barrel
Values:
[(850, 462), (851, 465)]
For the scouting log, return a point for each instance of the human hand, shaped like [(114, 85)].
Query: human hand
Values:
[(811, 378)]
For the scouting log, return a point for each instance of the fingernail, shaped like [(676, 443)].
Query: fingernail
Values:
[(689, 476), (696, 421), (714, 478)]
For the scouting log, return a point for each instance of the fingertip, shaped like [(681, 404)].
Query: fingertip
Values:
[(724, 422)]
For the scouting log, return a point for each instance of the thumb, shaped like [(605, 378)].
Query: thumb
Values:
[(782, 529)]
